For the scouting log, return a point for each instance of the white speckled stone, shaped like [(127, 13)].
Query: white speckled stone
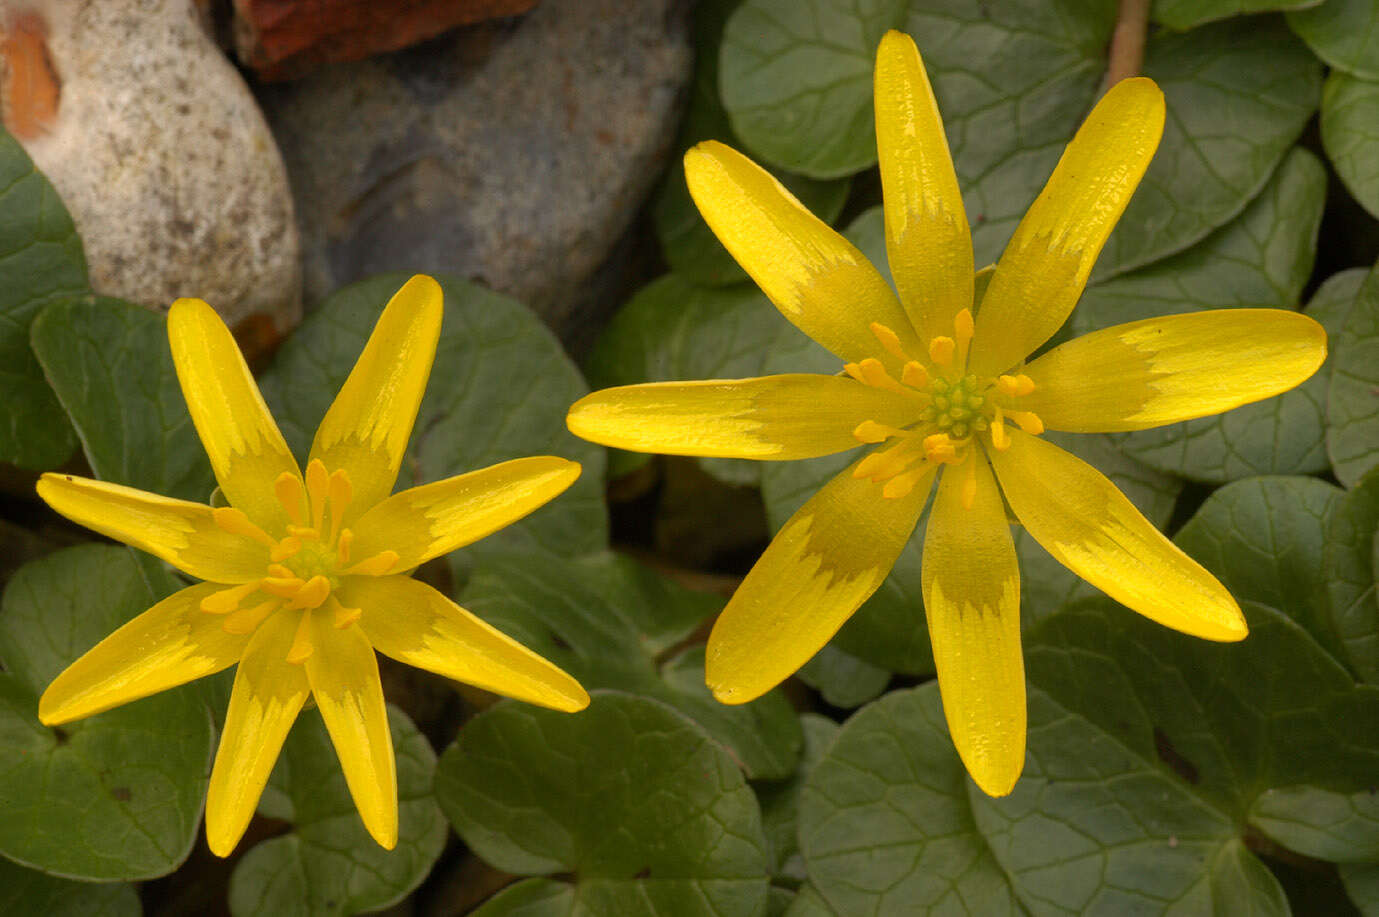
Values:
[(165, 161), (515, 154)]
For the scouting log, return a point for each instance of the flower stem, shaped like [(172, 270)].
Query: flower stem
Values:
[(1126, 53)]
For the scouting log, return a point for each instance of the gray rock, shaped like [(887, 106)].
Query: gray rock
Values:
[(165, 161), (516, 154)]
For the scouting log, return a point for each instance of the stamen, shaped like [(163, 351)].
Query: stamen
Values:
[(286, 548), (377, 565), (1015, 386), (869, 431), (301, 641), (312, 593), (317, 488), (887, 463), (941, 350), (855, 371), (875, 375), (227, 600), (939, 448), (247, 620), (340, 494), (914, 375), (969, 485), (343, 617), (998, 432), (342, 548), (901, 485), (284, 587), (964, 328), (304, 532), (890, 341), (229, 519), (281, 572), (1028, 421), (288, 487)]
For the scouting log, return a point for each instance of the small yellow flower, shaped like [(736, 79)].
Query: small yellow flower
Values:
[(938, 380), (306, 575)]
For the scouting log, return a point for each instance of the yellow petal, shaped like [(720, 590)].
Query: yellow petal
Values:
[(770, 417), (818, 279), (435, 519), (927, 238), (972, 600), (367, 427), (1044, 268), (246, 449), (343, 672), (172, 643), (182, 533), (269, 692), (825, 561), (1089, 526), (415, 624), (1162, 370)]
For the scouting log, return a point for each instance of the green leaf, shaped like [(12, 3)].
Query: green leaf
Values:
[(499, 390), (25, 891), (648, 814), (531, 898), (1352, 434), (1285, 434), (1344, 33), (1350, 133), (809, 903), (1264, 539), (1095, 827), (842, 679), (690, 247), (796, 77), (1181, 15), (116, 796), (1339, 827), (885, 822), (780, 801), (612, 623), (1347, 570), (111, 367), (43, 262), (328, 864), (1362, 885)]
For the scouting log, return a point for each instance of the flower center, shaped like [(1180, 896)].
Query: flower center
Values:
[(955, 409), (305, 565)]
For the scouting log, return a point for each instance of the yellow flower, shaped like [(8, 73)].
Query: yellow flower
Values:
[(937, 378), (306, 575)]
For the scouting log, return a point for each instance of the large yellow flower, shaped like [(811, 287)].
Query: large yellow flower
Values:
[(938, 380), (306, 575)]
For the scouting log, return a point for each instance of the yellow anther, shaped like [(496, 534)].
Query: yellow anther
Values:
[(227, 600), (342, 547), (855, 371), (1028, 421), (340, 495), (317, 489), (282, 586), (280, 572), (886, 463), (1015, 386), (890, 341), (969, 485), (312, 593), (247, 620), (939, 448), (914, 375), (875, 375), (229, 519), (377, 565), (304, 532), (301, 648), (903, 483), (869, 431), (999, 439), (941, 350), (288, 488), (963, 328), (284, 549)]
